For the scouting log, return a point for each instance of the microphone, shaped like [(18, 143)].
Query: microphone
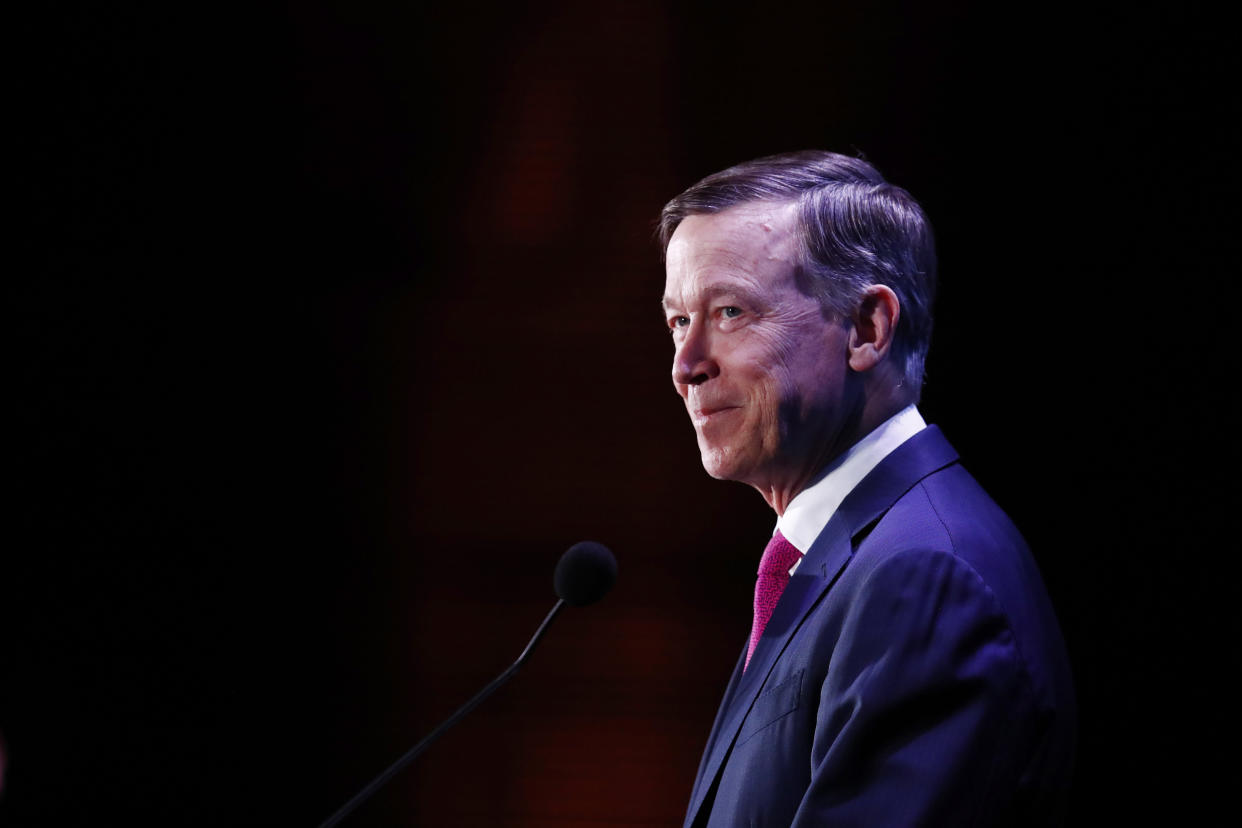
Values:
[(583, 575)]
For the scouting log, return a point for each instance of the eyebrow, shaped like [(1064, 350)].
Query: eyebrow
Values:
[(714, 291)]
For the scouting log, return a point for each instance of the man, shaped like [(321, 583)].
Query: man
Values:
[(904, 665)]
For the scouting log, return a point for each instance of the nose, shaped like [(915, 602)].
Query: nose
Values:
[(693, 363)]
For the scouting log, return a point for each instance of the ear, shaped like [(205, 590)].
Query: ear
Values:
[(875, 322)]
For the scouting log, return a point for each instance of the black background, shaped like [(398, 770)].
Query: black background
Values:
[(336, 324)]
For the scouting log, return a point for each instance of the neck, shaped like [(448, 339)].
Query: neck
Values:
[(874, 409)]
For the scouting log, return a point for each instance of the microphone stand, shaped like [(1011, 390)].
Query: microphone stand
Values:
[(413, 753)]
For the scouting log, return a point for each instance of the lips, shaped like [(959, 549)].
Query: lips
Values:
[(704, 414)]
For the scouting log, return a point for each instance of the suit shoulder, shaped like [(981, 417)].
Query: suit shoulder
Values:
[(948, 516), (948, 511)]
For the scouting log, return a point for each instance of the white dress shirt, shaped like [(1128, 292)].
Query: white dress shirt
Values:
[(811, 509)]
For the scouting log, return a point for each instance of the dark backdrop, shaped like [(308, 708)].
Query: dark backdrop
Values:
[(336, 324)]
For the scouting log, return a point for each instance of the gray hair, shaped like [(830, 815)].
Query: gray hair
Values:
[(855, 229)]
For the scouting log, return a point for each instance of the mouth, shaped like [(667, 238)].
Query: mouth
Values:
[(703, 416)]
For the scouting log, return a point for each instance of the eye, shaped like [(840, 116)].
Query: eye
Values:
[(675, 322), (731, 312)]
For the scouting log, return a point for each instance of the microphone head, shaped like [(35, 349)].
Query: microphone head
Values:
[(585, 573)]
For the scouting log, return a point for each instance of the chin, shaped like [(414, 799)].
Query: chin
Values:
[(720, 464)]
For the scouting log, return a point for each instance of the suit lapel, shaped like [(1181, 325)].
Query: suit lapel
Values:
[(922, 454), (810, 581), (703, 780)]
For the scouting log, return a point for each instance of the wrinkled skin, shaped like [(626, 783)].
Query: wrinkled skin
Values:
[(776, 386), (762, 367)]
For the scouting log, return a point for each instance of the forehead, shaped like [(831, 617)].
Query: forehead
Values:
[(754, 245)]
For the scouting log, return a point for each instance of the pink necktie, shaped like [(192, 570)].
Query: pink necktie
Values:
[(774, 567)]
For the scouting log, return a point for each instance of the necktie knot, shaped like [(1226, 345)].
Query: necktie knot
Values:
[(778, 558)]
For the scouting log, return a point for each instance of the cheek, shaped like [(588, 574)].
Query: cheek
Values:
[(767, 395), (767, 414)]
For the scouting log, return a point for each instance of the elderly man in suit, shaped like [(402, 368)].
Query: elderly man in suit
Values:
[(904, 665)]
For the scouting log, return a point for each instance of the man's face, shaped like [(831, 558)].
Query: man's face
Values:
[(761, 367)]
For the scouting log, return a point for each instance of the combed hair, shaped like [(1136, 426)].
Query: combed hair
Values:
[(855, 230)]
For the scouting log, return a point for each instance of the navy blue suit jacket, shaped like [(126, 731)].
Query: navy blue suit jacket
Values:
[(912, 673)]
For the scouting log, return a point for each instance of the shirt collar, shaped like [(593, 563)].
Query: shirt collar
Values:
[(811, 509)]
